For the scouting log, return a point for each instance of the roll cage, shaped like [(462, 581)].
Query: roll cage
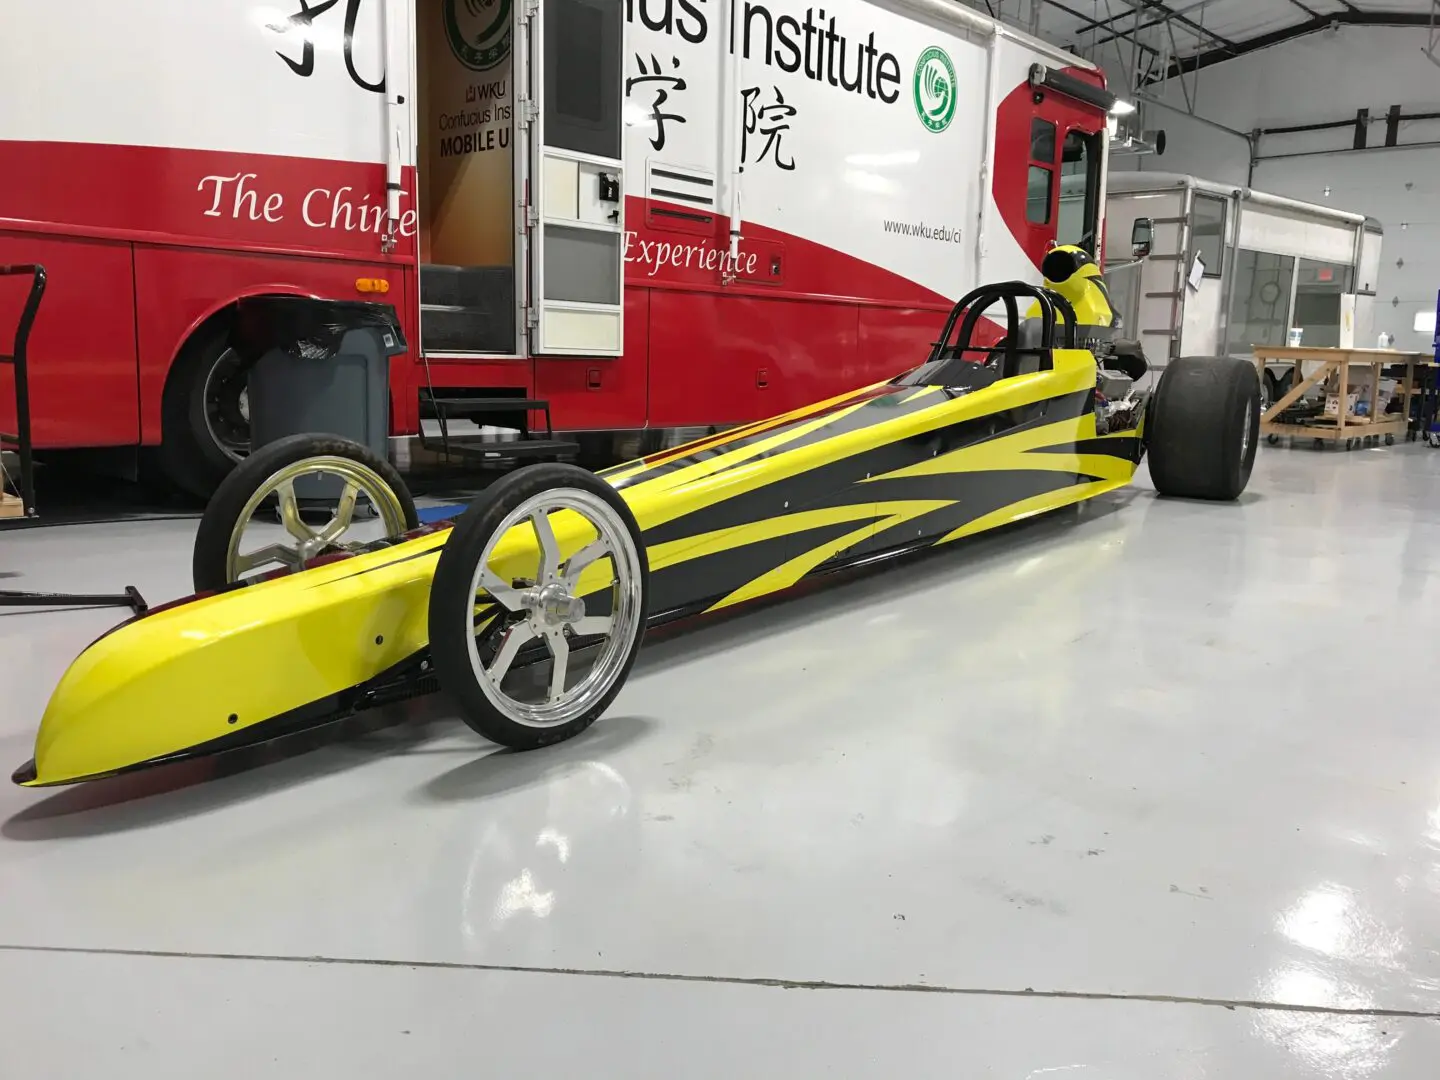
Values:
[(1003, 358)]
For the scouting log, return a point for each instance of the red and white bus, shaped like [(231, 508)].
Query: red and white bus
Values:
[(649, 215)]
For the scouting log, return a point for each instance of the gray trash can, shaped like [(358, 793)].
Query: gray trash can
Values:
[(321, 367)]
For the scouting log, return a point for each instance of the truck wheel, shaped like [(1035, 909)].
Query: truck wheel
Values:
[(1268, 391), (1284, 383), (538, 605), (264, 485), (205, 420), (1206, 427)]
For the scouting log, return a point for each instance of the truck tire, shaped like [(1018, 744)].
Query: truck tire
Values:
[(204, 422), (1284, 383), (1269, 387), (1204, 427)]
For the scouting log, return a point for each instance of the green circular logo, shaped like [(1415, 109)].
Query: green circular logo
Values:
[(478, 31), (934, 87)]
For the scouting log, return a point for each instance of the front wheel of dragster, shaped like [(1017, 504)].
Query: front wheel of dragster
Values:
[(294, 500), (1203, 427), (538, 605)]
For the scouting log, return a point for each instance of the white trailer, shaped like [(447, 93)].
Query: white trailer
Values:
[(1230, 268)]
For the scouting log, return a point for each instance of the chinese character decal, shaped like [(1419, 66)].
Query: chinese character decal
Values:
[(302, 23), (658, 85), (771, 122)]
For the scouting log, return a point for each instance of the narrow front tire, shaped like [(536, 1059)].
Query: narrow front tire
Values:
[(267, 478), (538, 605)]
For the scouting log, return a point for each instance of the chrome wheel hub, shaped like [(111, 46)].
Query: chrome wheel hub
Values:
[(226, 403), (552, 607)]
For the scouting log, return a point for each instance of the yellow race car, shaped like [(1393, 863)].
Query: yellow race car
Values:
[(529, 610)]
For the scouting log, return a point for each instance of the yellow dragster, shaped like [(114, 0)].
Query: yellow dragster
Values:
[(530, 609)]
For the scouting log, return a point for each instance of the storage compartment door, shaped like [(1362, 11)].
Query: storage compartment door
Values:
[(577, 208)]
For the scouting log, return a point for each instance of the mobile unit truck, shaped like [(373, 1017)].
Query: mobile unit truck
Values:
[(629, 217)]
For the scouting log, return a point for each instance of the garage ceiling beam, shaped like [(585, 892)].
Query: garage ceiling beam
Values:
[(1289, 33), (1166, 14), (1168, 22), (1087, 24), (1129, 35), (1085, 21)]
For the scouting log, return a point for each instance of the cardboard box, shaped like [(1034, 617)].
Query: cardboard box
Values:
[(1332, 404)]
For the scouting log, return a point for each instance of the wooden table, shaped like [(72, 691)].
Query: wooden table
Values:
[(1341, 427)]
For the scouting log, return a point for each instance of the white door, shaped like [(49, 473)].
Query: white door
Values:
[(575, 201)]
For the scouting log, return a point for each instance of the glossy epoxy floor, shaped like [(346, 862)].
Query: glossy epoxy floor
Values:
[(1154, 792)]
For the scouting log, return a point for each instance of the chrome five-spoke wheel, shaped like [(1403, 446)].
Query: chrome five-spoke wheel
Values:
[(538, 605), (294, 500)]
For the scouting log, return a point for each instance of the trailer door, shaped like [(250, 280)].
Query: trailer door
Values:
[(574, 191)]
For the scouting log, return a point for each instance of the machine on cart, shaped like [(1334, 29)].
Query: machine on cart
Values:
[(22, 509), (1352, 396), (1355, 410)]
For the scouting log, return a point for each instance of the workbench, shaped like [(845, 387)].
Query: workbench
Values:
[(1342, 427)]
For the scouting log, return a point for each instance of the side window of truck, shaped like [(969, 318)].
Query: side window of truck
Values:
[(1079, 190), (1040, 186)]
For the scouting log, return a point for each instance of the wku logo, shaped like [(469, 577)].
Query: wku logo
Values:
[(478, 31)]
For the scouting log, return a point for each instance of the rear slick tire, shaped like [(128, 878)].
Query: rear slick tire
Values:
[(537, 610), (1204, 428)]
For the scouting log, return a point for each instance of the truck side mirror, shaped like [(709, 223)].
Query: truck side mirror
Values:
[(1142, 237)]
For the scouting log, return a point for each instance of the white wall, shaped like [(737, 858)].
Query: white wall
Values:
[(1325, 77)]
